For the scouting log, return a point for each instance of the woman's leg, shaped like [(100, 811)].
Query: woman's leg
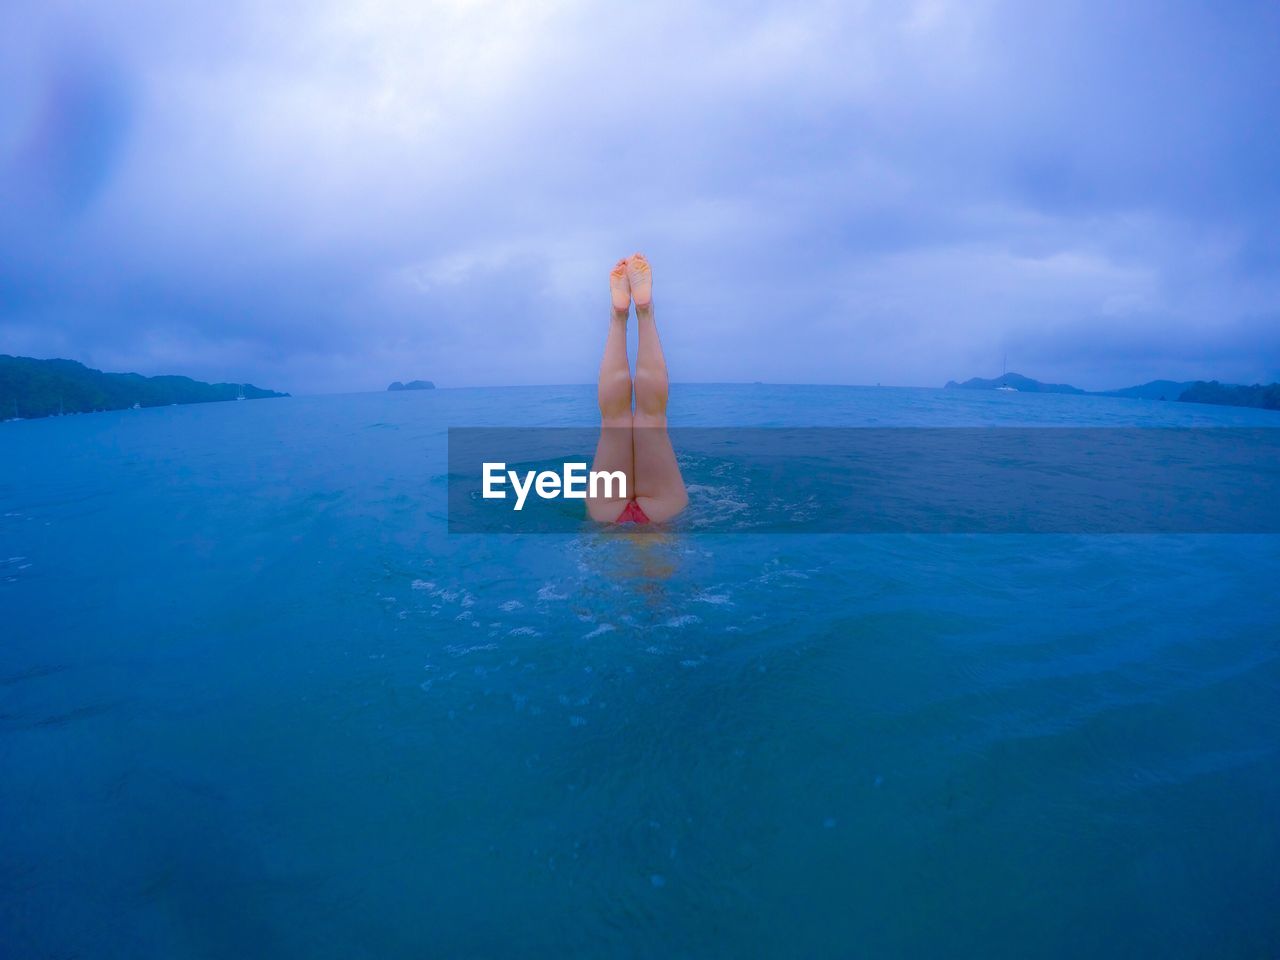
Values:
[(613, 449), (659, 490)]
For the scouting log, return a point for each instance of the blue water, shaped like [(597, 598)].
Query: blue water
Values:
[(254, 701)]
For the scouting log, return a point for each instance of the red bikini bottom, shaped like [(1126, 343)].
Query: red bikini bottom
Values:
[(632, 514)]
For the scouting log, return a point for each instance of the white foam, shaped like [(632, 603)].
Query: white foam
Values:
[(463, 651), (548, 592), (683, 620), (522, 632), (510, 605), (603, 628)]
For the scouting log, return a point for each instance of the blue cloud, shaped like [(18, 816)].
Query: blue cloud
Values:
[(321, 198)]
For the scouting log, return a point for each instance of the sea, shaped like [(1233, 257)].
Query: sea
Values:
[(256, 700)]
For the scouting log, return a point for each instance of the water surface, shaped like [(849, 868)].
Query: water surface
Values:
[(255, 701)]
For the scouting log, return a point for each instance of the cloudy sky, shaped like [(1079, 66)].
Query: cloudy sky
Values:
[(321, 196)]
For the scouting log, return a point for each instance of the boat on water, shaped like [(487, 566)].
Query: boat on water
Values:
[(240, 395), (1004, 370)]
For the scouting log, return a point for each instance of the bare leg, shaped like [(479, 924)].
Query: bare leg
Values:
[(660, 489), (613, 449)]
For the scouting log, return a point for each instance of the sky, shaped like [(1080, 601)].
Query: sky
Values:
[(327, 196)]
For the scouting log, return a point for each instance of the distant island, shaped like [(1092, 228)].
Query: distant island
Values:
[(1017, 381), (1233, 394), (32, 388), (1189, 391), (413, 385)]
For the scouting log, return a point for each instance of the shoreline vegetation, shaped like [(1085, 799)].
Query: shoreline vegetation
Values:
[(1264, 396), (31, 388)]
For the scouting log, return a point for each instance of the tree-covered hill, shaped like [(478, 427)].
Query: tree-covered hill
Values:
[(1266, 396), (1017, 381), (41, 388)]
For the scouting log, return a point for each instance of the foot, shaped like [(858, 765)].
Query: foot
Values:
[(620, 287), (641, 280)]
